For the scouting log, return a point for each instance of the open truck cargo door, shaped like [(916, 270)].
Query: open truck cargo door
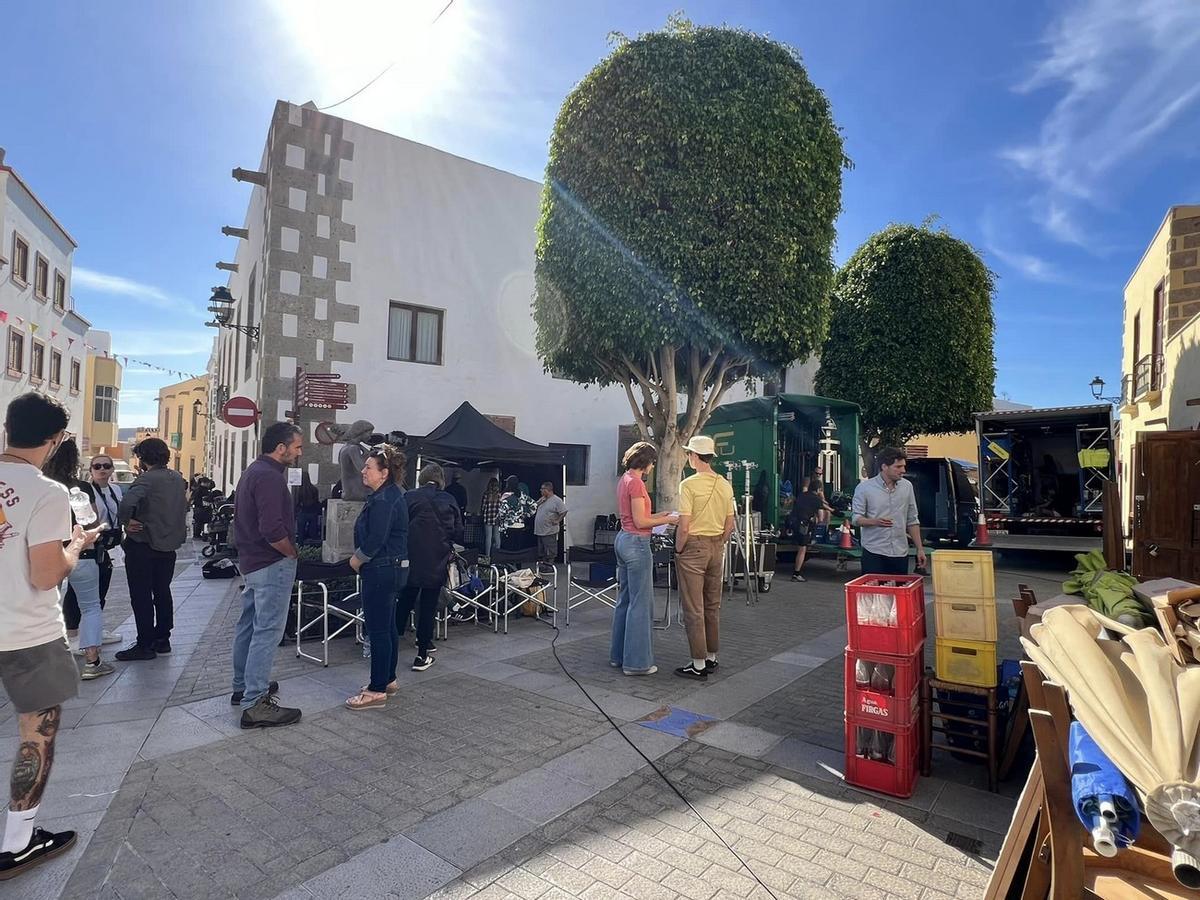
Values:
[(1042, 474)]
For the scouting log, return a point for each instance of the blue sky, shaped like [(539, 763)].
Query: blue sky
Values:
[(1053, 137)]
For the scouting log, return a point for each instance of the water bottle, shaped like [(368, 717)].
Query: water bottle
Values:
[(863, 670), (81, 506)]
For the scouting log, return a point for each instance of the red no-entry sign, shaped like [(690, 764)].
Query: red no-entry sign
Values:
[(240, 412)]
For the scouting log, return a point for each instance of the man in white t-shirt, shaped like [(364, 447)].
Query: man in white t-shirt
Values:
[(38, 549)]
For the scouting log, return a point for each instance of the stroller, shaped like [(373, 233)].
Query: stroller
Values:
[(216, 529), (466, 594)]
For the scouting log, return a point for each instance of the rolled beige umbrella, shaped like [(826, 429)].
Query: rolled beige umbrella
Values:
[(1142, 709)]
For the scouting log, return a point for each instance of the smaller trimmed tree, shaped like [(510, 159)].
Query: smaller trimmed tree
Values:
[(911, 335)]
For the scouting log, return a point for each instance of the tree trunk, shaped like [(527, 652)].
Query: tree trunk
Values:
[(667, 475), (868, 448)]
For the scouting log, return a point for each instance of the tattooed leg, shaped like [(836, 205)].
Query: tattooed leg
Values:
[(31, 768)]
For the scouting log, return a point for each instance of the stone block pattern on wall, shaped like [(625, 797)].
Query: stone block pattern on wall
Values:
[(303, 280)]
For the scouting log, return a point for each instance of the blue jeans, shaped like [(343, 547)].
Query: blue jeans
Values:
[(85, 580), (633, 617), (491, 538), (265, 600), (381, 584)]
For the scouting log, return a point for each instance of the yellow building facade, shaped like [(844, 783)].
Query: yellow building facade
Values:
[(1160, 346), (182, 423), (101, 403)]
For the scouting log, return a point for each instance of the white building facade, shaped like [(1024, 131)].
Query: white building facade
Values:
[(43, 335), (409, 272)]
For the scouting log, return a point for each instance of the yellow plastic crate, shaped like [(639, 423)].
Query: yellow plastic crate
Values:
[(966, 618), (964, 573), (966, 662)]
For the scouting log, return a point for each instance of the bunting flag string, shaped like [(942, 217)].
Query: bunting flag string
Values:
[(108, 354), (126, 360)]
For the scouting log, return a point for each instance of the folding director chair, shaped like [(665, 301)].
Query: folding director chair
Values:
[(346, 610), (458, 594), (510, 596), (594, 587)]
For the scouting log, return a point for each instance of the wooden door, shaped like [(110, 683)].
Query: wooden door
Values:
[(1166, 505)]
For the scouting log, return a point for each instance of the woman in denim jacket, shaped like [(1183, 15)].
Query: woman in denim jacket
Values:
[(381, 560)]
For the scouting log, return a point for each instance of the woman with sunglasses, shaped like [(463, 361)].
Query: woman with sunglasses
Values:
[(108, 500), (84, 580), (381, 561)]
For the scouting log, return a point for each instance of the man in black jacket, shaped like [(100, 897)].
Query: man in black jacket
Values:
[(154, 513), (435, 525)]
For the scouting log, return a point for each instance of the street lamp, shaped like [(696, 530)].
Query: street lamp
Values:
[(220, 304), (1097, 386), (198, 409)]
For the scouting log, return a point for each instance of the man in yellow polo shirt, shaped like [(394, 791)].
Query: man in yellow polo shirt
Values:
[(705, 523)]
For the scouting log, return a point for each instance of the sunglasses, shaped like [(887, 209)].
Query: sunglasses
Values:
[(102, 465)]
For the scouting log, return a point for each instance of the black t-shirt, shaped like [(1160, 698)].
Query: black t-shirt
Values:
[(806, 506)]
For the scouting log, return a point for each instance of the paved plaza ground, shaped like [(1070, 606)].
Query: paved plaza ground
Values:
[(492, 775)]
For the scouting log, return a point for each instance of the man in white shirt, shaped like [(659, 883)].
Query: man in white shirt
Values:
[(551, 510), (36, 668)]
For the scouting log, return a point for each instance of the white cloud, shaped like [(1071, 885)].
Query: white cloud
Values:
[(1129, 78), (1035, 268), (90, 279), (166, 342), (1032, 267)]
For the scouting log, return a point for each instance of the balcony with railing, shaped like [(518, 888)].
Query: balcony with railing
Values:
[(1145, 380)]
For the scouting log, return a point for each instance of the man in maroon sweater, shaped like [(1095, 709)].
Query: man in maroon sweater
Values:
[(264, 531)]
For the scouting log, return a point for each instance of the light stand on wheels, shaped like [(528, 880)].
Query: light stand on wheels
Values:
[(742, 539)]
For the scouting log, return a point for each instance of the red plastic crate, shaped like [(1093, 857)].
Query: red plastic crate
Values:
[(895, 706), (897, 778), (905, 594)]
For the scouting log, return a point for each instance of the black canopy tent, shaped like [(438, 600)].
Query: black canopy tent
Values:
[(470, 440)]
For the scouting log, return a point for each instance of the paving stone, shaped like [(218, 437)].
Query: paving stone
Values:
[(493, 761), (470, 831)]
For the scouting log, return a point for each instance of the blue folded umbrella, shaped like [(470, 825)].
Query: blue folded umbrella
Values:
[(1103, 799)]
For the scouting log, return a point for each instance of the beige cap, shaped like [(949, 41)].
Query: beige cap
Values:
[(702, 444)]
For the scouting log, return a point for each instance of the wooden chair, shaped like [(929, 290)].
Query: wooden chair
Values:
[(956, 725)]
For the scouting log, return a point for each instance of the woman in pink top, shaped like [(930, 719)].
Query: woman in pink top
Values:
[(631, 649)]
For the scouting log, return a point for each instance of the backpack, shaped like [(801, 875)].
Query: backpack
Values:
[(220, 568)]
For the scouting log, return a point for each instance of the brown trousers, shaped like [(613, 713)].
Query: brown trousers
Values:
[(699, 568)]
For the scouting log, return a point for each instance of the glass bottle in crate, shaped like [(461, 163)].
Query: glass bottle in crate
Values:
[(882, 678), (864, 671)]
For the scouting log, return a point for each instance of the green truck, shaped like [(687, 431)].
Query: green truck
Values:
[(787, 435)]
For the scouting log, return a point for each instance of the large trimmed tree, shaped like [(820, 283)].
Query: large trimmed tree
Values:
[(911, 336), (687, 226)]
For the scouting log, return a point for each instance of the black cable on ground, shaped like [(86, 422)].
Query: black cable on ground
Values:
[(661, 774)]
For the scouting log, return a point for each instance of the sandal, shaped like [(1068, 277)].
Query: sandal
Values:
[(393, 687), (366, 700)]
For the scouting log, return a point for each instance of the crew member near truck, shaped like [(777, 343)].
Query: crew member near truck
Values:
[(885, 509)]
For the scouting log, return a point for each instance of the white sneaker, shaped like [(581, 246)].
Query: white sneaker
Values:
[(110, 637)]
